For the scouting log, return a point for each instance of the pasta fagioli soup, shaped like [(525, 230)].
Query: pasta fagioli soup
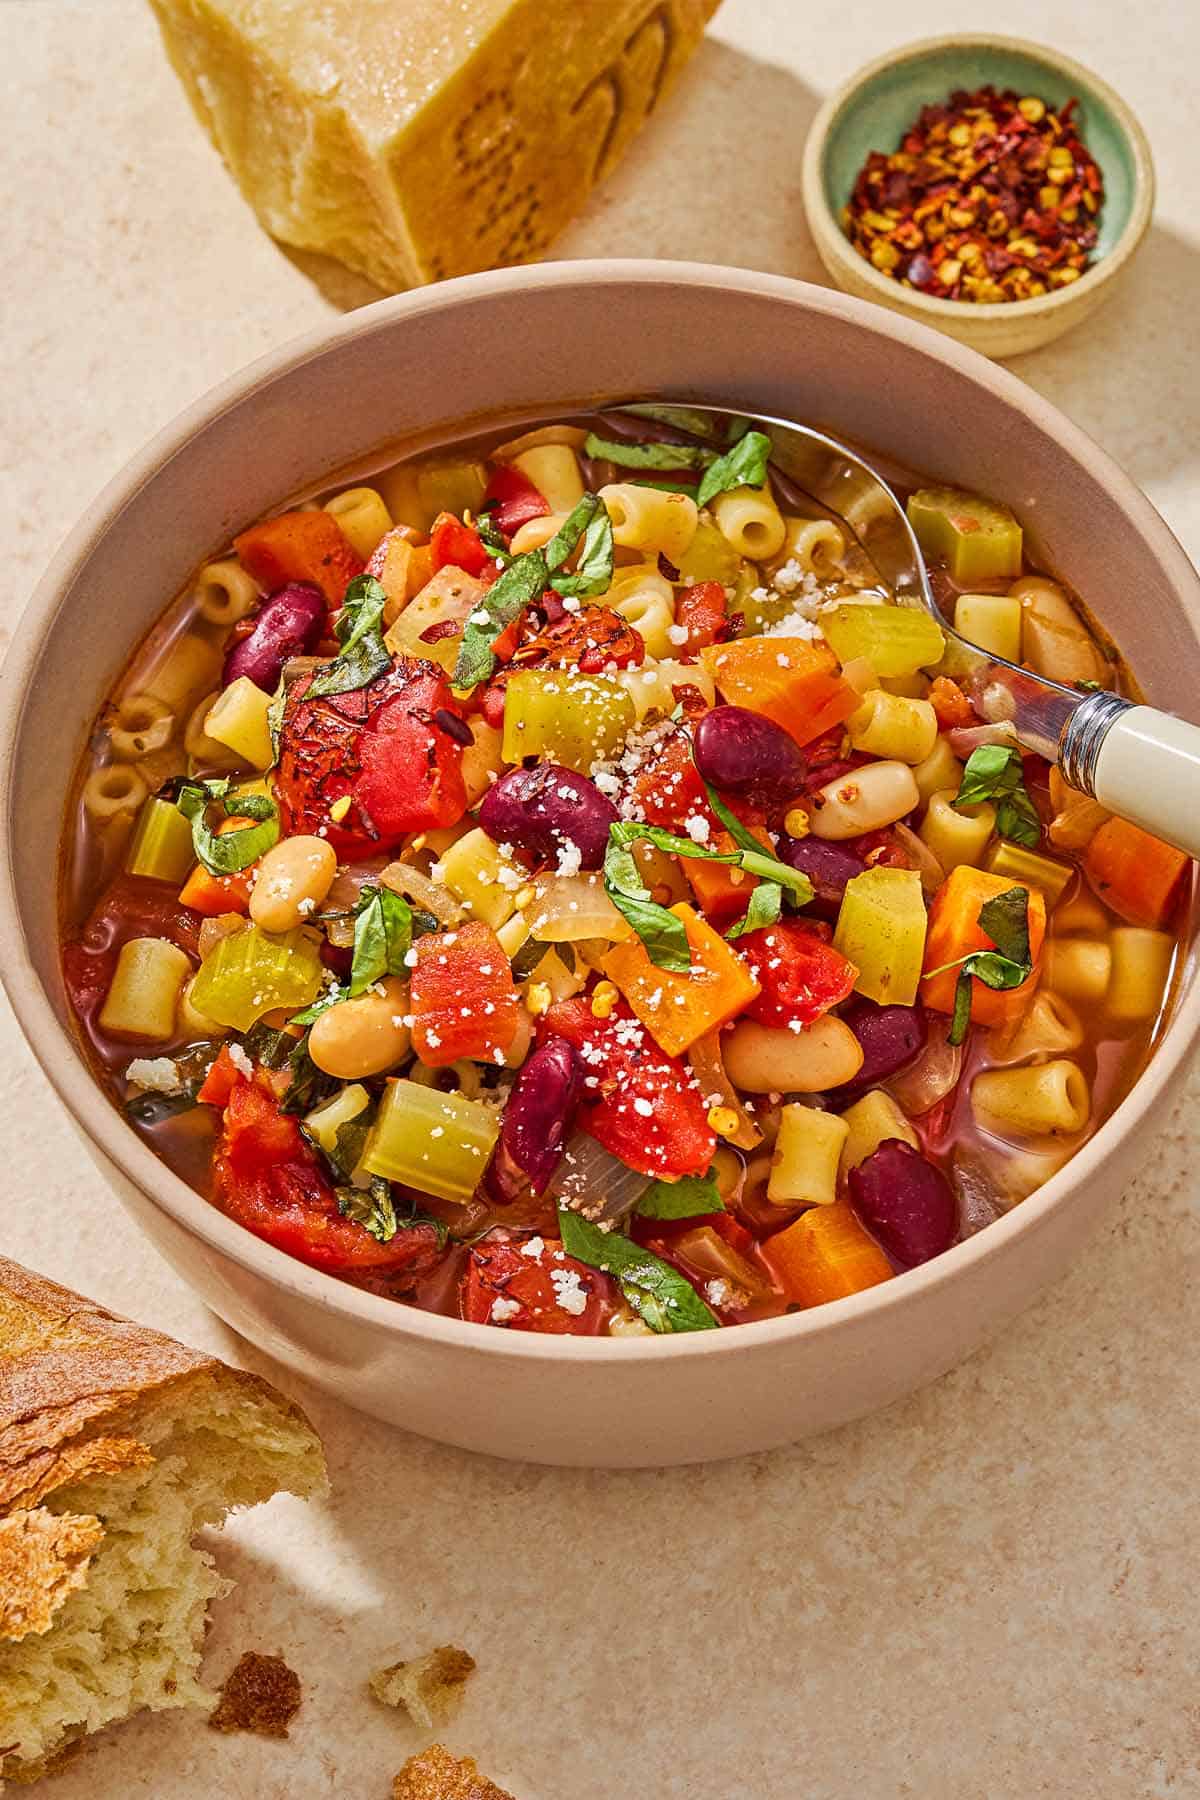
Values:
[(550, 883)]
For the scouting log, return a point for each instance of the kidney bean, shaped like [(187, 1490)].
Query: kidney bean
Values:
[(904, 1202), (537, 1120), (545, 809), (289, 623), (743, 753), (829, 867), (890, 1036)]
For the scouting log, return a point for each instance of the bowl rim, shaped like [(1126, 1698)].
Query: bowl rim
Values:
[(831, 239), (58, 1053)]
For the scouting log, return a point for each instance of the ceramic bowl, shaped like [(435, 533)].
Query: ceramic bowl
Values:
[(525, 342), (877, 105)]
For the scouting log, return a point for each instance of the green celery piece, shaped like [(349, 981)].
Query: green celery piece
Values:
[(979, 539), (575, 720), (252, 972), (709, 557), (881, 930), (161, 846), (895, 640), (402, 1145)]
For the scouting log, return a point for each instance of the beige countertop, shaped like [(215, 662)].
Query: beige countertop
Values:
[(986, 1593)]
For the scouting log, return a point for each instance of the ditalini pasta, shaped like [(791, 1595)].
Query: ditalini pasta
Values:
[(548, 881)]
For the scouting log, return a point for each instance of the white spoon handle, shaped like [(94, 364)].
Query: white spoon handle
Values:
[(1147, 769)]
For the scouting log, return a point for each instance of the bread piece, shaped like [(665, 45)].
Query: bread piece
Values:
[(436, 1775), (116, 1446), (412, 139), (260, 1694), (430, 1688)]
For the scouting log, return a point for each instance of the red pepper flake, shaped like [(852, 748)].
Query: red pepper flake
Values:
[(992, 197)]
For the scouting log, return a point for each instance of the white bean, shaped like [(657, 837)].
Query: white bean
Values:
[(294, 877), (864, 800), (763, 1059), (364, 1036)]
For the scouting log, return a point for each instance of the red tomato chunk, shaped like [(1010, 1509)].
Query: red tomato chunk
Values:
[(464, 1001), (533, 1285), (800, 973)]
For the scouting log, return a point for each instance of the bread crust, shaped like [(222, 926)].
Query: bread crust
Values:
[(70, 1371)]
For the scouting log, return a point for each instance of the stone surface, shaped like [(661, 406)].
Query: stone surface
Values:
[(985, 1593)]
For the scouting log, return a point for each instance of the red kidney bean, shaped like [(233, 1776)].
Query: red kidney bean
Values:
[(537, 1120), (890, 1036), (547, 809), (904, 1202), (289, 623), (743, 753), (828, 866)]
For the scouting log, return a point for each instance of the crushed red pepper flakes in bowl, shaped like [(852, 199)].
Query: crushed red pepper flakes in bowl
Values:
[(990, 198)]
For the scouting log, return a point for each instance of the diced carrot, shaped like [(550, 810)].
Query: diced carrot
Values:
[(954, 931), (219, 1083), (400, 567), (825, 1255), (300, 546), (216, 894), (678, 1009), (790, 680), (950, 704), (723, 890), (1139, 876)]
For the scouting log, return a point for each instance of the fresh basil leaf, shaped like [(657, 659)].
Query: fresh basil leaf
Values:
[(646, 456), (665, 485), (370, 1207), (492, 537), (572, 529), (743, 466), (152, 1109), (764, 908), (996, 971), (1006, 921), (688, 1198), (961, 1017), (594, 572), (521, 583), (382, 938), (528, 957), (309, 1085), (756, 862), (275, 718), (268, 1046), (232, 850), (662, 1296), (996, 772), (741, 834), (662, 934), (364, 655)]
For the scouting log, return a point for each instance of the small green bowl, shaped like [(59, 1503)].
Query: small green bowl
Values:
[(873, 110)]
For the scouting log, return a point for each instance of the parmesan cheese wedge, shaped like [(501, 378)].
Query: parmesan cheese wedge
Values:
[(412, 139)]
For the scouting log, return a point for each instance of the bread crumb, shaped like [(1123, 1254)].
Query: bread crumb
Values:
[(260, 1694), (430, 1688), (436, 1775)]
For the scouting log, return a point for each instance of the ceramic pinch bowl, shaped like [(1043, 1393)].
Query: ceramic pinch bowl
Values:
[(873, 110)]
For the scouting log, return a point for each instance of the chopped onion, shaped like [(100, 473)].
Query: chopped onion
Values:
[(591, 1181), (570, 907), (402, 878), (709, 1069), (966, 738), (924, 861), (917, 1089)]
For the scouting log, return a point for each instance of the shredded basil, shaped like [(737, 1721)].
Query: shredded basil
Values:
[(647, 456), (661, 933), (743, 466), (659, 1293), (265, 1045), (364, 655), (996, 772), (1005, 918), (595, 570), (382, 938), (371, 1207), (309, 1085), (764, 908), (688, 1198), (230, 851), (491, 536)]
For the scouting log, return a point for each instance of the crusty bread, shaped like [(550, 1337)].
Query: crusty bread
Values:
[(430, 1688), (436, 1775), (117, 1445)]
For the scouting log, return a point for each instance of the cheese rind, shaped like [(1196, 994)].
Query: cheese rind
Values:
[(414, 141)]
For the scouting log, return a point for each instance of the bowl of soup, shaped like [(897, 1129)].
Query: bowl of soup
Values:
[(542, 943)]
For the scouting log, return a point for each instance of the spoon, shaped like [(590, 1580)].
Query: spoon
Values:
[(1138, 762)]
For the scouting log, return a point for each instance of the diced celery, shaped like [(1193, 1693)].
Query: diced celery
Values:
[(1027, 869), (881, 929), (512, 935), (992, 622), (326, 1121), (437, 1143), (575, 720), (161, 846), (894, 640), (251, 972), (760, 606), (471, 869), (416, 493), (238, 719), (710, 557), (979, 539)]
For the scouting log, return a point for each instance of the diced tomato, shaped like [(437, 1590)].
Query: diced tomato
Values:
[(220, 1081), (271, 1181), (301, 546), (503, 1285), (213, 895), (463, 999), (800, 973), (643, 1106), (590, 640), (703, 610), (382, 748), (491, 705), (132, 907), (515, 497), (669, 791), (950, 704), (450, 541)]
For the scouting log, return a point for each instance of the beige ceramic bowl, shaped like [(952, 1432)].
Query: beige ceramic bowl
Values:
[(529, 340), (873, 109)]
